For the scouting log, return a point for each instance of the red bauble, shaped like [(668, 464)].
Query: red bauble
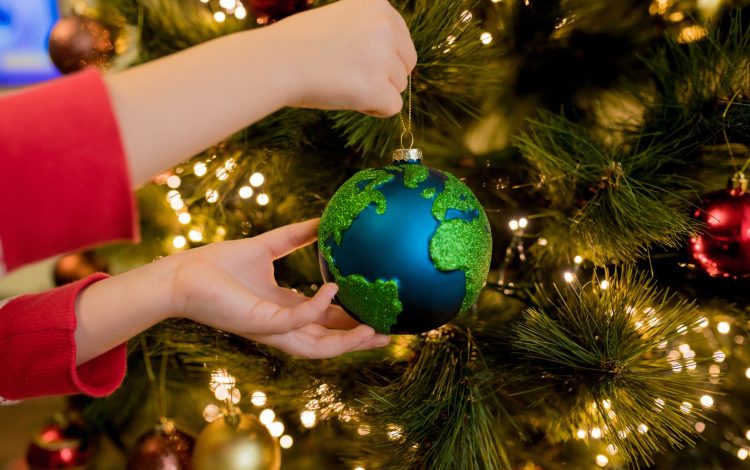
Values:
[(161, 449), (76, 42), (273, 10), (723, 249), (60, 446)]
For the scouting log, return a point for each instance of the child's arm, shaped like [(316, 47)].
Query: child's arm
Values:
[(229, 286), (353, 54)]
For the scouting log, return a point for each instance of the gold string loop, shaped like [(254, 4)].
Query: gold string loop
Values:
[(407, 128)]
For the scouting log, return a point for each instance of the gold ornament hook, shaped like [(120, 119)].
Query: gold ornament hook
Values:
[(407, 128)]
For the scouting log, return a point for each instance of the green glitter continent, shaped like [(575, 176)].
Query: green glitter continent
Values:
[(459, 244), (414, 174), (348, 202), (375, 303), (428, 193)]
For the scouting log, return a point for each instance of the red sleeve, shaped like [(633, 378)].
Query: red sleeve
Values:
[(38, 349), (64, 181)]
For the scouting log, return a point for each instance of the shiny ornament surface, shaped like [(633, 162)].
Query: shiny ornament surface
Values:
[(274, 10), (76, 42), (723, 248), (60, 445), (161, 449), (245, 446), (409, 247)]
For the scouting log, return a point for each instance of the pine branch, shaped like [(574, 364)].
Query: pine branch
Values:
[(597, 357)]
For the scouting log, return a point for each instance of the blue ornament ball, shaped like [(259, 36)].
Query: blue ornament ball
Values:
[(409, 247)]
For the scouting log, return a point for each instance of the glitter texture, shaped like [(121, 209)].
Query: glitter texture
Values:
[(428, 193), (414, 174), (462, 244), (376, 303)]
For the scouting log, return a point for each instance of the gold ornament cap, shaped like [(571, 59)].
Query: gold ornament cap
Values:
[(738, 183), (407, 155)]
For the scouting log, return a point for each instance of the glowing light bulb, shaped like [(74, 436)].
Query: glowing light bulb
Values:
[(266, 416), (364, 430), (177, 204), (686, 407), (742, 454), (581, 434), (568, 276), (195, 235), (212, 196), (642, 428), (263, 199), (222, 174), (596, 433), (611, 449), (228, 4), (259, 398), (542, 242), (707, 401), (256, 179), (466, 16), (308, 418), (486, 38), (200, 169), (523, 222), (723, 327), (578, 259), (276, 428), (179, 242), (184, 218), (240, 13), (513, 224), (602, 460), (719, 356), (700, 426), (174, 181), (604, 284), (220, 16), (246, 192), (211, 412), (286, 441)]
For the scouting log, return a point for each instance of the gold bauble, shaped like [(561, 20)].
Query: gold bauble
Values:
[(245, 446)]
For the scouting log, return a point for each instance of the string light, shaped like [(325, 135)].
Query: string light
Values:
[(286, 441), (747, 372), (200, 169), (359, 468), (581, 434), (604, 285), (228, 4), (263, 199), (466, 16), (523, 223), (212, 196), (578, 259), (246, 192), (276, 428), (184, 218), (700, 426), (486, 38), (394, 432), (602, 460), (211, 412), (719, 356), (308, 418), (513, 224), (747, 434), (195, 235), (568, 276), (222, 174), (611, 449), (256, 179), (703, 322), (707, 401), (596, 433), (266, 416), (174, 181), (259, 398), (220, 16), (742, 454), (686, 407), (364, 430), (642, 428), (542, 242), (240, 13), (179, 242), (723, 327), (177, 203)]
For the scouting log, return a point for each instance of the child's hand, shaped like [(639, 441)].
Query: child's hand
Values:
[(231, 286), (352, 54)]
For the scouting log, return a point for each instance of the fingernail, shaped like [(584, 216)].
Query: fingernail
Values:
[(383, 340), (334, 289)]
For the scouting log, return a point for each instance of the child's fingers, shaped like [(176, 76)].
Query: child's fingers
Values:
[(335, 317), (271, 318), (389, 101), (404, 44), (377, 341), (284, 240), (321, 343)]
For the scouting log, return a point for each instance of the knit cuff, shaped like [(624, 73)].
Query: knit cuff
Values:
[(38, 349)]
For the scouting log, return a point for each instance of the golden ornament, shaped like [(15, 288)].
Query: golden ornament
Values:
[(236, 442)]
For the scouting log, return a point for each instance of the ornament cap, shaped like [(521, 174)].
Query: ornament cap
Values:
[(407, 155), (738, 183)]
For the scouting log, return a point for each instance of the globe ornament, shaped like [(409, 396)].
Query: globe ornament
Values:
[(236, 442), (409, 246)]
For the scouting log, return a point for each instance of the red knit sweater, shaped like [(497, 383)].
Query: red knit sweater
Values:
[(64, 185)]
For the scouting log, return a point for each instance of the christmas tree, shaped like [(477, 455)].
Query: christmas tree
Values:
[(599, 138)]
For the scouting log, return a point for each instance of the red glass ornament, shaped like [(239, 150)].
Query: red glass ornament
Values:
[(273, 10), (76, 42), (60, 446), (161, 449), (723, 249)]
